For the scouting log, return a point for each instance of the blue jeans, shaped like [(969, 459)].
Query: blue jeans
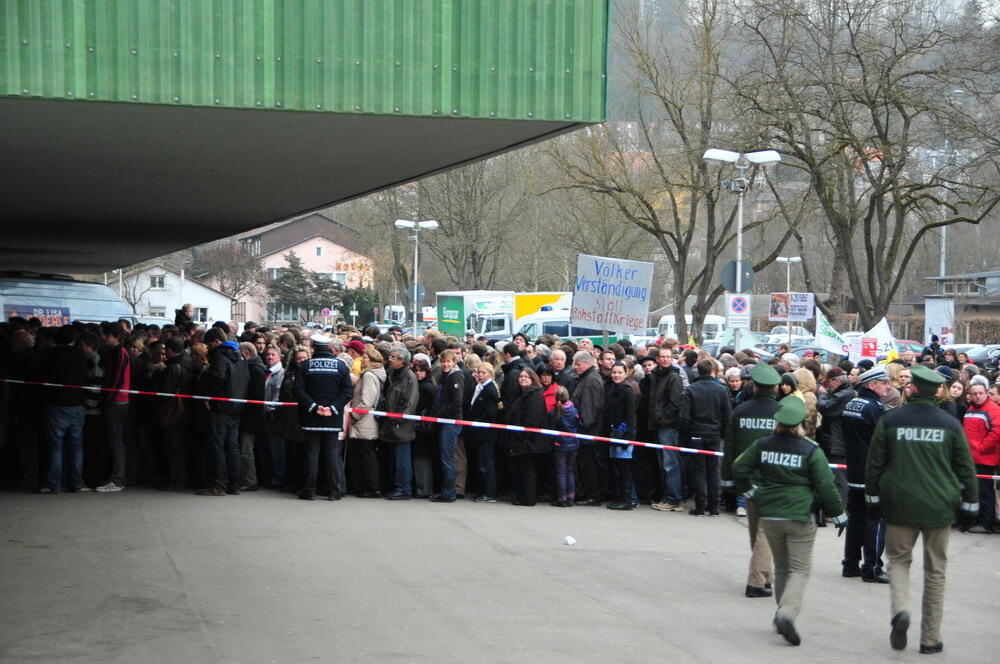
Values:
[(276, 455), (670, 466), (224, 439), (65, 426), (403, 473), (448, 438)]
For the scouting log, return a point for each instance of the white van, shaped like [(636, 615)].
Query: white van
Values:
[(56, 299), (711, 329), (557, 323)]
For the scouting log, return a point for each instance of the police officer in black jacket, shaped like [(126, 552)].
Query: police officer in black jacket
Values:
[(864, 535), (704, 414), (323, 389)]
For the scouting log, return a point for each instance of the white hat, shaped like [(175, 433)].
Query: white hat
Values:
[(320, 340), (878, 373)]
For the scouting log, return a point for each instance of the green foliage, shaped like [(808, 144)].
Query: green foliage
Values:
[(303, 289), (362, 299)]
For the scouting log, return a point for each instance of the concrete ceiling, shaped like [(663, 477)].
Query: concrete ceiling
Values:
[(88, 187)]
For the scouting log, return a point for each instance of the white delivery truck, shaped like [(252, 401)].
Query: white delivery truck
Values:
[(503, 323)]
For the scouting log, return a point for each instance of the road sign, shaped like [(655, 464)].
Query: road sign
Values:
[(737, 311), (420, 293), (325, 311), (354, 312), (728, 276)]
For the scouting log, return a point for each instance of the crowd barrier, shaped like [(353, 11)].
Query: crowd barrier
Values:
[(416, 418)]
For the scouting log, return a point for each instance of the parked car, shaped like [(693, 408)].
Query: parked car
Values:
[(820, 353), (903, 345), (985, 356)]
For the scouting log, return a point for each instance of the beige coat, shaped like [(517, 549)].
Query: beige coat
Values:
[(367, 393)]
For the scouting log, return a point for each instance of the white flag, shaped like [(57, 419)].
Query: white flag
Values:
[(883, 336), (828, 338)]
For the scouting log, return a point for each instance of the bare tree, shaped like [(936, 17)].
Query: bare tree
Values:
[(134, 286), (861, 96), (652, 170), (237, 272)]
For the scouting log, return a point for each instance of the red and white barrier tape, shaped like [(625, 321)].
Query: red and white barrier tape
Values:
[(199, 397), (415, 418)]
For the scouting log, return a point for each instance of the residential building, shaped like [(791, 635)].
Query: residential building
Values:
[(323, 244), (160, 291)]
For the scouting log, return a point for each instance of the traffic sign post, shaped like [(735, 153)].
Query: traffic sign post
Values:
[(737, 311)]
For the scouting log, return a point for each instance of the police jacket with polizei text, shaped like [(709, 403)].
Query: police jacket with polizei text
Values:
[(857, 425), (323, 380), (705, 411), (792, 473), (750, 421), (920, 472)]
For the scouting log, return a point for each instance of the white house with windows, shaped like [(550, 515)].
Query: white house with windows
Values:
[(159, 291)]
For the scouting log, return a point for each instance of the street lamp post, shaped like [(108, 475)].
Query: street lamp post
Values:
[(788, 260), (417, 226), (739, 186)]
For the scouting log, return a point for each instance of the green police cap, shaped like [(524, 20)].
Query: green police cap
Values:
[(764, 374), (927, 378), (791, 411)]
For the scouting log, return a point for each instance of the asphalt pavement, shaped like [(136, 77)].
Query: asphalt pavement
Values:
[(147, 576)]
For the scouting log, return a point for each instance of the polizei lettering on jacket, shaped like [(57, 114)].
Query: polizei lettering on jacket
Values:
[(323, 365), (920, 435), (757, 423), (781, 459)]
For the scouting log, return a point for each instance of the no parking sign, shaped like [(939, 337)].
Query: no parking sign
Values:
[(738, 311)]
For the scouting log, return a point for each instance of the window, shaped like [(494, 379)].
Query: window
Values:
[(586, 332), (558, 328), (238, 311), (156, 280), (277, 311), (201, 314), (339, 277), (496, 324), (319, 250), (275, 273), (157, 311)]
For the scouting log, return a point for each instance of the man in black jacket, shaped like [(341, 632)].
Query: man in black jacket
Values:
[(401, 394), (589, 400), (323, 389), (449, 404), (864, 536), (252, 418), (565, 375), (67, 365), (664, 421), (835, 394), (228, 377), (704, 414), (178, 378), (513, 364)]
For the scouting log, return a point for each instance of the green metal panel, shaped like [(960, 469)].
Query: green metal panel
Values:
[(511, 59)]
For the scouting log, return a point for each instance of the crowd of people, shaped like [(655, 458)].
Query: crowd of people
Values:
[(764, 417)]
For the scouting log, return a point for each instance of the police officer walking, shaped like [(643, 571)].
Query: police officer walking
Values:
[(920, 474), (792, 470), (751, 420), (864, 536)]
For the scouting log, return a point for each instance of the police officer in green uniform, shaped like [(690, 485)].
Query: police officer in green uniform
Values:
[(920, 475), (750, 421), (791, 472)]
